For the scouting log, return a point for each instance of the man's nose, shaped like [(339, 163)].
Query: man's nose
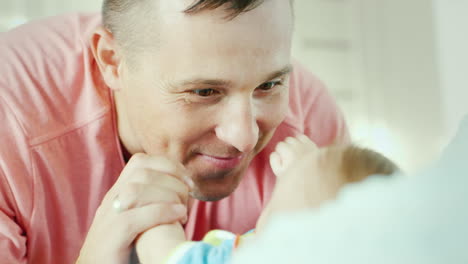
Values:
[(238, 127)]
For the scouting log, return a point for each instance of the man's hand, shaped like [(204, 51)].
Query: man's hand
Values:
[(150, 191)]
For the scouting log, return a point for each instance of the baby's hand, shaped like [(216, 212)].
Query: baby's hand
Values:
[(290, 151), (307, 176)]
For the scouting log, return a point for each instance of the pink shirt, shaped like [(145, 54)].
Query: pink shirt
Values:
[(60, 152)]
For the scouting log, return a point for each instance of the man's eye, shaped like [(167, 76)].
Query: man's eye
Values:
[(204, 92), (269, 85)]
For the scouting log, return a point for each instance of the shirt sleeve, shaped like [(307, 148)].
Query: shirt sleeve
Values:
[(13, 160)]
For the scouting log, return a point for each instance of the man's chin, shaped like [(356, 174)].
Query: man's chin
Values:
[(209, 197), (217, 185), (212, 191)]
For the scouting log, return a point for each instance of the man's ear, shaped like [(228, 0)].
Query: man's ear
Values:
[(104, 48)]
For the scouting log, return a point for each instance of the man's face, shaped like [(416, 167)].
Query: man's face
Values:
[(212, 91)]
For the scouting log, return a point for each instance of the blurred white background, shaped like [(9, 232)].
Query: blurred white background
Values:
[(398, 68)]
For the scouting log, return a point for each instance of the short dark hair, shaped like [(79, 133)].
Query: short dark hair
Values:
[(358, 163), (113, 8), (234, 7)]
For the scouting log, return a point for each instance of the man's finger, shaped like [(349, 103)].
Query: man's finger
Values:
[(136, 221), (151, 177), (139, 195), (160, 164)]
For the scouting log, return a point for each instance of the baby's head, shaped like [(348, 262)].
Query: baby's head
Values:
[(358, 163)]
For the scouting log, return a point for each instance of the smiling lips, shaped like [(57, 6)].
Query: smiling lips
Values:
[(223, 162)]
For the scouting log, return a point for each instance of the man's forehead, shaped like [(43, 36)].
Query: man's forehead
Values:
[(267, 23), (200, 49)]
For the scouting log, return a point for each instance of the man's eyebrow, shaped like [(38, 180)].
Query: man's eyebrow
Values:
[(219, 82), (286, 70), (208, 82)]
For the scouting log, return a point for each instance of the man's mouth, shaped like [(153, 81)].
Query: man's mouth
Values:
[(223, 162)]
